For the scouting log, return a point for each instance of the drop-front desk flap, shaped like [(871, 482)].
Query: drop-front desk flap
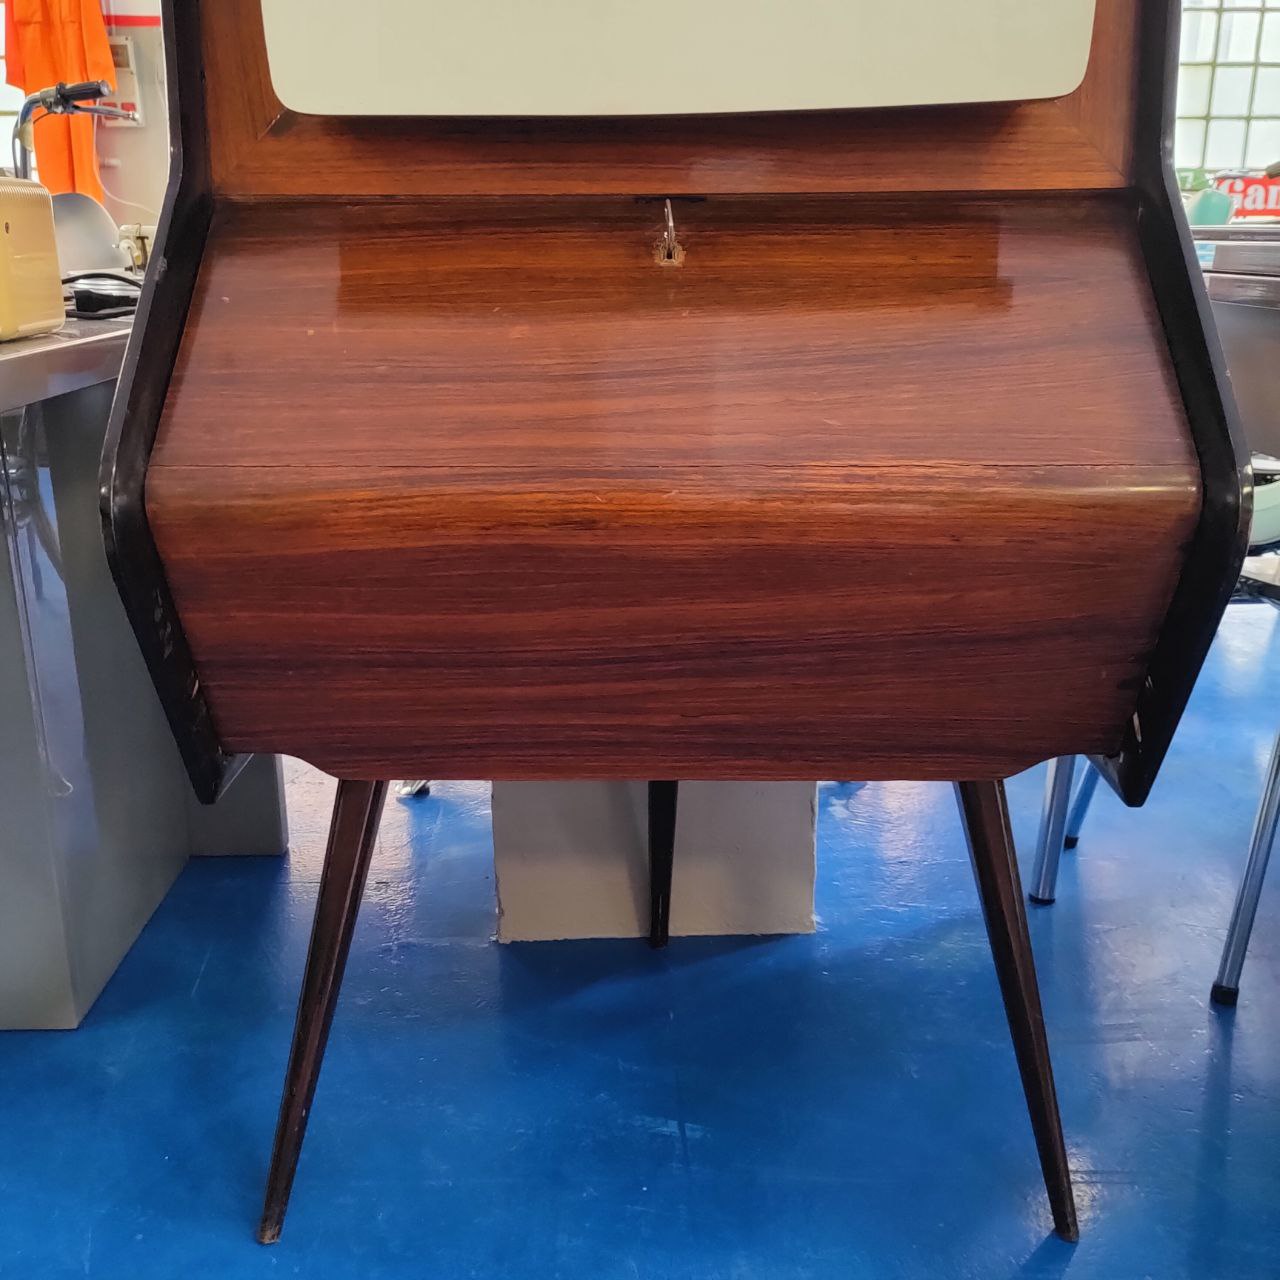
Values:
[(508, 487)]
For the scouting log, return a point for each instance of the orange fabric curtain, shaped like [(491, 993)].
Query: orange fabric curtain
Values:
[(47, 41)]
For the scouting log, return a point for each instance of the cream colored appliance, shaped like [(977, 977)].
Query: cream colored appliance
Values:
[(30, 283)]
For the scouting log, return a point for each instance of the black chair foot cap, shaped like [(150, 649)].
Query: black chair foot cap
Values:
[(1070, 842), (1040, 902), (1224, 995)]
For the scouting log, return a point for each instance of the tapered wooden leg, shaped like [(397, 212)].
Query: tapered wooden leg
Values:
[(356, 812), (986, 824), (662, 847)]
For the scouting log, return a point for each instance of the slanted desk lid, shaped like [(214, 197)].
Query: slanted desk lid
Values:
[(667, 57)]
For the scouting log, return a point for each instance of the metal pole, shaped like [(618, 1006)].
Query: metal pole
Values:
[(1053, 821), (1080, 806), (1226, 989)]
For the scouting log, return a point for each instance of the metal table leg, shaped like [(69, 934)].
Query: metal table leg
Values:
[(1226, 989), (1053, 820), (1080, 806)]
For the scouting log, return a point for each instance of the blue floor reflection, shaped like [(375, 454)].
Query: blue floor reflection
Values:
[(844, 1104)]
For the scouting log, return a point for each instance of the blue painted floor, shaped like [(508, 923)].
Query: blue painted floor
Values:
[(841, 1105)]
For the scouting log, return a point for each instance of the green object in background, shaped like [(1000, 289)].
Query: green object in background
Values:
[(1209, 208)]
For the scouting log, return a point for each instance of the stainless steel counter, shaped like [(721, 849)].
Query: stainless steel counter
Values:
[(81, 354), (98, 815), (1242, 272)]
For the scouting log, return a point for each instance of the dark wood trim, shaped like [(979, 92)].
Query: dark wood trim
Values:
[(662, 845), (135, 415), (357, 809), (995, 867), (1220, 540)]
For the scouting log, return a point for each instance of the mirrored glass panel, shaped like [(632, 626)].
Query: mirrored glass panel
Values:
[(667, 57)]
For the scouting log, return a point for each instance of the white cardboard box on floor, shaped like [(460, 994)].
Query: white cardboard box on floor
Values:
[(572, 859)]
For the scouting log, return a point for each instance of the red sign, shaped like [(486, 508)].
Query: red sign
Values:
[(1252, 197)]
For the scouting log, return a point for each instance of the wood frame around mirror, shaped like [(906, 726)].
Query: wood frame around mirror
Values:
[(259, 148)]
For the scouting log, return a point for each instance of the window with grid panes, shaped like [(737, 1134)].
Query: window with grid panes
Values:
[(1228, 85)]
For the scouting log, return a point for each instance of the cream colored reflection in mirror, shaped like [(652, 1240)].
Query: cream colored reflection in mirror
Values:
[(657, 57)]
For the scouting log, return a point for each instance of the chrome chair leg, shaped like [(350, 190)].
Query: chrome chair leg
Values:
[(1226, 988), (1053, 821), (1080, 806)]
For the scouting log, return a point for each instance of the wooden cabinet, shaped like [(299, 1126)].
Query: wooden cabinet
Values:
[(765, 444)]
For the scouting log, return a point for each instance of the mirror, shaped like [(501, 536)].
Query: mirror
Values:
[(667, 57)]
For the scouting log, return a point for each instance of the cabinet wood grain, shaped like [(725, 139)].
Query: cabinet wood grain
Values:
[(463, 489)]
